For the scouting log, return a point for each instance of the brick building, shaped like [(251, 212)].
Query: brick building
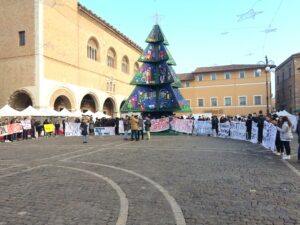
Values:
[(58, 54), (288, 84)]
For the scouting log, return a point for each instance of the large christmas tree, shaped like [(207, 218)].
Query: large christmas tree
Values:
[(156, 92)]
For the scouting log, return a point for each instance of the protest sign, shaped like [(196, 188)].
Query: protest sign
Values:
[(72, 129), (26, 124), (102, 131), (269, 136), (224, 129), (254, 133), (49, 128), (238, 130), (182, 125), (202, 127)]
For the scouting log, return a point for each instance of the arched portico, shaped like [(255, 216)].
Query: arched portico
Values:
[(109, 107), (89, 102), (20, 100), (62, 98)]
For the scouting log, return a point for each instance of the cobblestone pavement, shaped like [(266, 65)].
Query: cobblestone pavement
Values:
[(167, 180)]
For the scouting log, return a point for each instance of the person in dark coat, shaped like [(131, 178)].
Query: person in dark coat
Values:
[(84, 130), (215, 125), (260, 125), (249, 127)]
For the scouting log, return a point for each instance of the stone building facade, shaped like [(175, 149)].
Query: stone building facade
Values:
[(288, 84), (58, 54), (227, 90)]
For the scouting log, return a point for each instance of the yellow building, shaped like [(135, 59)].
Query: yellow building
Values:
[(230, 89), (58, 54)]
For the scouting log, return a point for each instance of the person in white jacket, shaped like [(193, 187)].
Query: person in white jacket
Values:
[(286, 136)]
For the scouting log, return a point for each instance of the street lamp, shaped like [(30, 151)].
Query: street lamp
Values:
[(268, 64)]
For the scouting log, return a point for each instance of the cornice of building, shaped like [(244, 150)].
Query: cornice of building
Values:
[(112, 29), (296, 55), (228, 68)]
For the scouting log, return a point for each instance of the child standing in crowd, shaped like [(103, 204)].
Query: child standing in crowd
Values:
[(286, 136)]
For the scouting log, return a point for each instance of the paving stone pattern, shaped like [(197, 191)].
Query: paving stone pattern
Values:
[(61, 181)]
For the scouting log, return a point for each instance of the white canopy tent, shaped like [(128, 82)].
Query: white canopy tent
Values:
[(30, 111), (100, 115), (88, 113), (9, 111), (48, 112), (77, 113), (65, 113)]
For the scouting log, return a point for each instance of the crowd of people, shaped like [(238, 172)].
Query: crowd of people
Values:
[(137, 124), (284, 129)]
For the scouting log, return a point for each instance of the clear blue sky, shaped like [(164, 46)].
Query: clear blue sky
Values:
[(208, 32)]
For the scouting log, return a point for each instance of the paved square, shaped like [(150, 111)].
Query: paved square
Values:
[(167, 180)]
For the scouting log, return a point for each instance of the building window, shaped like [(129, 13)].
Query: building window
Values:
[(200, 102), (257, 73), (242, 74), (187, 84), (125, 65), (227, 76), (22, 39), (92, 49), (111, 58), (257, 100), (213, 101), (213, 76), (277, 79), (290, 72), (283, 78), (110, 86), (227, 101), (242, 100), (200, 77)]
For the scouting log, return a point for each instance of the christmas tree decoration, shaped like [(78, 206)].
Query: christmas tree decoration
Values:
[(156, 92)]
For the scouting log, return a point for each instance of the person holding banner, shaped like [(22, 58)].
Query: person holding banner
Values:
[(83, 127), (286, 136)]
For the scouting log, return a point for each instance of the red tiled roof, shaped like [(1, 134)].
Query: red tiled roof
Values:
[(186, 76), (224, 68)]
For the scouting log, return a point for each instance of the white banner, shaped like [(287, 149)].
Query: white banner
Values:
[(182, 125), (202, 127), (103, 131), (121, 127), (269, 136), (72, 129), (238, 130), (26, 124), (224, 129), (254, 133)]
